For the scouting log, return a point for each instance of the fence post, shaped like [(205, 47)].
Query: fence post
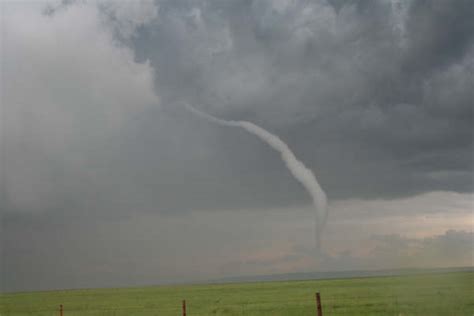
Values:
[(318, 304), (61, 310), (184, 307)]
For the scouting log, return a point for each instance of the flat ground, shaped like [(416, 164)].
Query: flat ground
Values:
[(431, 294)]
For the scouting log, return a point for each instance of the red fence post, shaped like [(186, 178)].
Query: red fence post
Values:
[(184, 307), (61, 310), (318, 304)]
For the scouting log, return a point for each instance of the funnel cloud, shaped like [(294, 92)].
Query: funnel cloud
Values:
[(299, 171)]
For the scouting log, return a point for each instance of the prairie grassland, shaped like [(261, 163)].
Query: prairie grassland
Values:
[(431, 294)]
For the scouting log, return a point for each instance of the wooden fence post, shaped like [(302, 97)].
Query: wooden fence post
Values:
[(61, 310), (184, 307), (318, 304)]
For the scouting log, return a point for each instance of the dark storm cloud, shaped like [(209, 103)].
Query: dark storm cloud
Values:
[(375, 96), (440, 34)]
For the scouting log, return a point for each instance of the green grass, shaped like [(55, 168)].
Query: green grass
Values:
[(431, 294)]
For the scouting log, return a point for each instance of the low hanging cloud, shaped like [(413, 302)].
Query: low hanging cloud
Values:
[(453, 248)]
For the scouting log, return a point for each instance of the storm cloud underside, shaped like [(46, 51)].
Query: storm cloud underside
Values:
[(374, 95)]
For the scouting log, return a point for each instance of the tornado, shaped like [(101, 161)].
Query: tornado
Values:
[(297, 169)]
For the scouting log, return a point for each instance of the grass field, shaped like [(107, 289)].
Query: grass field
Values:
[(432, 294)]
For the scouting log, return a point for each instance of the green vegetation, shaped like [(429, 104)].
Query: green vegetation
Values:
[(432, 294)]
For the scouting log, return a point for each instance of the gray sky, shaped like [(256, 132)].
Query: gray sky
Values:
[(106, 180)]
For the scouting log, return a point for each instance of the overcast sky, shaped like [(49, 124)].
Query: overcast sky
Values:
[(107, 180)]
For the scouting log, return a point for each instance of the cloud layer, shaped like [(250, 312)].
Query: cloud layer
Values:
[(371, 96), (101, 163), (364, 91)]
